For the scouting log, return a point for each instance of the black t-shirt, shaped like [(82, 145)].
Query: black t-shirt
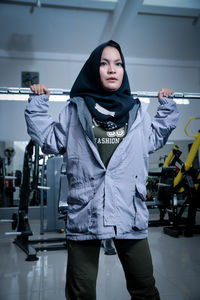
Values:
[(107, 141)]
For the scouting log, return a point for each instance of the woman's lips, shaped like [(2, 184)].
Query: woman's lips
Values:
[(112, 79)]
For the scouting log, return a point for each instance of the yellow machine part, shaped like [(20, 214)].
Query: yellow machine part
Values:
[(191, 156), (170, 156)]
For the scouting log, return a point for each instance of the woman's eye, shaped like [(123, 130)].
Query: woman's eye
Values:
[(119, 64), (102, 63)]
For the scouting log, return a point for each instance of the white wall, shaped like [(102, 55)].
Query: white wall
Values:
[(60, 71)]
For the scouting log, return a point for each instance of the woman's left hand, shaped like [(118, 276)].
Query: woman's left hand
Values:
[(164, 92)]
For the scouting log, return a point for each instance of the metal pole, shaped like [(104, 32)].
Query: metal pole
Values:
[(142, 94)]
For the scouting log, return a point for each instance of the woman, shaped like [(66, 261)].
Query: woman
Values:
[(105, 136)]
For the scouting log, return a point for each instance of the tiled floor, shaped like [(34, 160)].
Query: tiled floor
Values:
[(176, 267)]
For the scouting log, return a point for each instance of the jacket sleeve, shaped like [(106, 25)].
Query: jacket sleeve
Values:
[(164, 122), (50, 135)]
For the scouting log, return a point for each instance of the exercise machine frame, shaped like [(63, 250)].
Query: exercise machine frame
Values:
[(21, 219)]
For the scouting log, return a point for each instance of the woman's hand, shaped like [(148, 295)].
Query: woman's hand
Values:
[(164, 92), (40, 89)]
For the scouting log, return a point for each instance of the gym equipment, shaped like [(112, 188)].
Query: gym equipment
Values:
[(18, 177), (2, 180), (56, 195), (179, 189), (20, 221), (13, 221), (140, 94)]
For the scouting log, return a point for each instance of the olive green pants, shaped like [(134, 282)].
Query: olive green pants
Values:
[(82, 269)]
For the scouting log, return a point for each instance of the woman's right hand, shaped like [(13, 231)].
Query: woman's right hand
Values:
[(40, 89)]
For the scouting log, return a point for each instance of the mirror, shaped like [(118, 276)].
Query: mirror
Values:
[(11, 166)]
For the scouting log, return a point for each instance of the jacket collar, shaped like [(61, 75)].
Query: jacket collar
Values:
[(85, 117)]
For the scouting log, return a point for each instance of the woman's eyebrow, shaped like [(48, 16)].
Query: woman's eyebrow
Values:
[(116, 60)]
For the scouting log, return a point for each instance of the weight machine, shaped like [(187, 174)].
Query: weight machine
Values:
[(20, 220), (179, 189)]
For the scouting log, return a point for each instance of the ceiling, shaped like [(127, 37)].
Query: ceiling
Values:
[(163, 29)]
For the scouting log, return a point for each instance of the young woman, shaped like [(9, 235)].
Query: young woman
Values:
[(105, 136)]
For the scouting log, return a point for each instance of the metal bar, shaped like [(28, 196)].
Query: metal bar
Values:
[(180, 95), (142, 94), (13, 233)]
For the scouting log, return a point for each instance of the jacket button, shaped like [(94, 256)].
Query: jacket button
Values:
[(136, 176), (91, 178)]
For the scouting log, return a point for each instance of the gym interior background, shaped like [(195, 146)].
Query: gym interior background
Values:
[(49, 41)]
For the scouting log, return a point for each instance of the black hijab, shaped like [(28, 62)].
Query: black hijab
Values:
[(110, 109)]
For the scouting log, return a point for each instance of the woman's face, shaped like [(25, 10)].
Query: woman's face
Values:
[(111, 69)]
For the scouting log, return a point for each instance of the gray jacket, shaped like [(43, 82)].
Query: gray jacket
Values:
[(102, 202)]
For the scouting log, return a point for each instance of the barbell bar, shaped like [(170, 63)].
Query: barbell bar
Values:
[(148, 94)]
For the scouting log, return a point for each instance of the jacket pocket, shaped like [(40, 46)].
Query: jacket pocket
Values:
[(81, 185), (141, 212), (81, 192), (78, 218), (79, 208)]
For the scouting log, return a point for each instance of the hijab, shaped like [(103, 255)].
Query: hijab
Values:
[(109, 109)]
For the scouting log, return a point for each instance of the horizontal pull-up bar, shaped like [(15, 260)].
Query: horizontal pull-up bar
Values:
[(142, 94)]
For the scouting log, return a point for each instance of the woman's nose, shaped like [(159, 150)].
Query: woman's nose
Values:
[(111, 69)]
